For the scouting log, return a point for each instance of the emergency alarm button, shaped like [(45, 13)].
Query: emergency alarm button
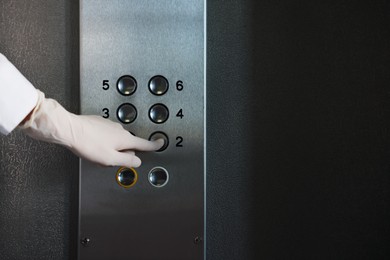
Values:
[(158, 113), (126, 113), (126, 85), (158, 85), (126, 177)]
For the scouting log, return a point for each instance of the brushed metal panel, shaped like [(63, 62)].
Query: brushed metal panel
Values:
[(144, 39)]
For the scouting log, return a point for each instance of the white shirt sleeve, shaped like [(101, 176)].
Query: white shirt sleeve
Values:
[(18, 96)]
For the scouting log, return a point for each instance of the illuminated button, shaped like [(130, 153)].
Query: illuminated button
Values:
[(126, 85), (126, 113), (158, 113), (158, 177), (158, 85), (126, 177), (160, 135)]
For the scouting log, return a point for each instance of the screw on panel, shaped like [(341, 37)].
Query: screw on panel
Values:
[(85, 241), (197, 240)]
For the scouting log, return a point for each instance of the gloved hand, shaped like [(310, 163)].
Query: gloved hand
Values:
[(91, 137)]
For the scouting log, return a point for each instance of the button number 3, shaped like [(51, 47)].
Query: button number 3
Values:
[(106, 113)]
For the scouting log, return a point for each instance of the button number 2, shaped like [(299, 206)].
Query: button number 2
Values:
[(179, 140)]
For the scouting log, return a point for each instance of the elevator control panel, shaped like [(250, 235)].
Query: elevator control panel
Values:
[(142, 64)]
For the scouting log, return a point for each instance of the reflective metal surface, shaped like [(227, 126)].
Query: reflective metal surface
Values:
[(144, 39)]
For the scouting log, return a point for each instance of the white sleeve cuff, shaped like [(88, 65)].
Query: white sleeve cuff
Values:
[(18, 96)]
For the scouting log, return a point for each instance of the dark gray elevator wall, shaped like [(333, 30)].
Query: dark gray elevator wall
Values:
[(298, 131), (39, 181)]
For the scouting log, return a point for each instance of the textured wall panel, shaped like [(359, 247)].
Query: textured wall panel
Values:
[(38, 181), (298, 130), (230, 193)]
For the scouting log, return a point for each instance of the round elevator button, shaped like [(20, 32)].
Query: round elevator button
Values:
[(158, 177), (160, 135), (126, 177), (126, 85), (158, 113), (158, 85), (126, 113)]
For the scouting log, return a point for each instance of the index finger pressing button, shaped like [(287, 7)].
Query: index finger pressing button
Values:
[(160, 135)]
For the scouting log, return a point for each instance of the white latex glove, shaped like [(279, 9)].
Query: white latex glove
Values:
[(91, 137)]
